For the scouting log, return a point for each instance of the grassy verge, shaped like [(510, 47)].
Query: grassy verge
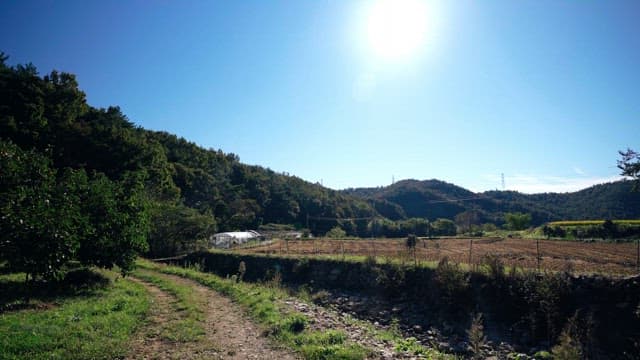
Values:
[(289, 328), (89, 324), (188, 327), (401, 344)]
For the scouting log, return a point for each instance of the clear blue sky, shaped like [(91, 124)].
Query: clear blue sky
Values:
[(545, 92)]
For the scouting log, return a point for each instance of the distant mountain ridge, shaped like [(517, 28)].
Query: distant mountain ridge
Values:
[(438, 199)]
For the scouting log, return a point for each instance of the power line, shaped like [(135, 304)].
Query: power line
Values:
[(340, 219), (456, 200)]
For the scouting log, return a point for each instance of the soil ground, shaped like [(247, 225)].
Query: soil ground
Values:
[(229, 334), (581, 257)]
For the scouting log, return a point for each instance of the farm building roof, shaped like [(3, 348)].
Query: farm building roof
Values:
[(239, 234)]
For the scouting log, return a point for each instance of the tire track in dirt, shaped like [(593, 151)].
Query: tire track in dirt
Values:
[(229, 333), (149, 342)]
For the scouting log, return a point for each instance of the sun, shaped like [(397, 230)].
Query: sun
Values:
[(397, 30)]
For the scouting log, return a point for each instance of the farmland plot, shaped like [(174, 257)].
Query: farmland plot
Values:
[(581, 257)]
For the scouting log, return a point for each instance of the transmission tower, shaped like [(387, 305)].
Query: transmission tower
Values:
[(503, 182)]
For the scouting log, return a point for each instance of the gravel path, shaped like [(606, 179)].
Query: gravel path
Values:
[(229, 334)]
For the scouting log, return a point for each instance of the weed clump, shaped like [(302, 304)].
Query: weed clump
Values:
[(295, 323), (274, 279), (477, 339), (242, 269), (495, 267), (391, 278), (569, 347)]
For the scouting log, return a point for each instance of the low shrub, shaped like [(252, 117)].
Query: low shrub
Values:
[(295, 323), (451, 284)]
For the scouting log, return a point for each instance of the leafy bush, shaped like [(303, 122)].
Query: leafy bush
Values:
[(517, 221), (542, 297), (295, 323), (451, 283), (336, 233), (495, 265), (391, 278), (85, 279), (52, 217), (178, 229), (569, 347), (543, 355)]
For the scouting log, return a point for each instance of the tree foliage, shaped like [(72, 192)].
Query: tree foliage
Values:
[(629, 164), (178, 229), (444, 227), (336, 233), (39, 217), (117, 213), (517, 221), (467, 220), (50, 217)]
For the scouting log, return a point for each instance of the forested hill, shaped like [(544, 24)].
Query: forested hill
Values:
[(193, 191), (437, 199)]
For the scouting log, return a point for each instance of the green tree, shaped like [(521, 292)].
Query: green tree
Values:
[(630, 166), (51, 217), (417, 226), (444, 227), (40, 216), (178, 229), (336, 233), (517, 221), (119, 222), (466, 220)]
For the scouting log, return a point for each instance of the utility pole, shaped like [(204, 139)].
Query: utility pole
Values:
[(470, 252), (538, 258)]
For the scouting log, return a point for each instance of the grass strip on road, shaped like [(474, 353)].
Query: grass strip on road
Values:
[(189, 324), (95, 325)]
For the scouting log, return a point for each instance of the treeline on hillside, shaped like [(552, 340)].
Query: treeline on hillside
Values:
[(415, 226), (434, 199), (604, 230), (191, 192)]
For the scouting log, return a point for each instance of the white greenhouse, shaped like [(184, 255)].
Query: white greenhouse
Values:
[(226, 240)]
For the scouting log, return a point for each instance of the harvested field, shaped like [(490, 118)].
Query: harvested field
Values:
[(581, 257)]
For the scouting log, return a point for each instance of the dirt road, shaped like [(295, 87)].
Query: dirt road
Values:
[(228, 333)]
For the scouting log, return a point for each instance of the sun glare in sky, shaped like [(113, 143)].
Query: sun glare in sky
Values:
[(398, 30)]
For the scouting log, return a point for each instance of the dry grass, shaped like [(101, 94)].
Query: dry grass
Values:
[(596, 257)]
